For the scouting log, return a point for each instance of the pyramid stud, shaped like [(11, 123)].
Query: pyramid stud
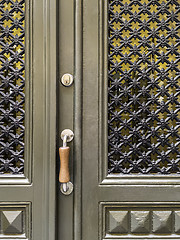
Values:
[(118, 222), (12, 222), (177, 221), (162, 222), (140, 222)]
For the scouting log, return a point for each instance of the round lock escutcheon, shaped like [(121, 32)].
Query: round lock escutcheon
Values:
[(67, 80)]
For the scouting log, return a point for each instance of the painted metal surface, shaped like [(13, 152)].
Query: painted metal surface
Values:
[(100, 188), (27, 202), (66, 11)]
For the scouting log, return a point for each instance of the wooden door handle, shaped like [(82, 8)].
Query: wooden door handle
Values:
[(64, 175), (66, 186)]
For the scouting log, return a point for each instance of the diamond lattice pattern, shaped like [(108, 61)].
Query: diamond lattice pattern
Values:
[(144, 87), (12, 83)]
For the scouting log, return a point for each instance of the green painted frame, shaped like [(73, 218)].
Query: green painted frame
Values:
[(38, 184), (104, 177), (26, 178)]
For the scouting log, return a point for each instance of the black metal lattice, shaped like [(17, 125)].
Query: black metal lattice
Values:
[(12, 83), (144, 87)]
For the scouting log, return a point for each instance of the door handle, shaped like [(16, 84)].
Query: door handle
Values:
[(66, 186)]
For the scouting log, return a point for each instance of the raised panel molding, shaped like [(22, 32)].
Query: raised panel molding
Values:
[(15, 220), (110, 178), (16, 152), (139, 220)]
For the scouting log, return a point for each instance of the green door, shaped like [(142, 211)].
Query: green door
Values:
[(123, 108), (125, 113), (27, 119)]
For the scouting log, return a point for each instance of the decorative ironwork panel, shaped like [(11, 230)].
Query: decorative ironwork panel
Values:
[(143, 87), (12, 83)]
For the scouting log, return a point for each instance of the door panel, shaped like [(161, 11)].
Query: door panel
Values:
[(16, 88), (125, 157), (143, 88), (13, 87), (129, 221), (26, 119), (130, 193)]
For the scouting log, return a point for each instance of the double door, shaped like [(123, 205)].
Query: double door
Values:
[(123, 108)]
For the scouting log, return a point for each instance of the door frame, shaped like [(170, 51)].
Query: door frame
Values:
[(51, 136), (49, 58), (69, 109), (32, 193), (78, 69)]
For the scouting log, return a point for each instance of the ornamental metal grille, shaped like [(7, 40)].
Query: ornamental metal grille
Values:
[(144, 87), (12, 81)]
